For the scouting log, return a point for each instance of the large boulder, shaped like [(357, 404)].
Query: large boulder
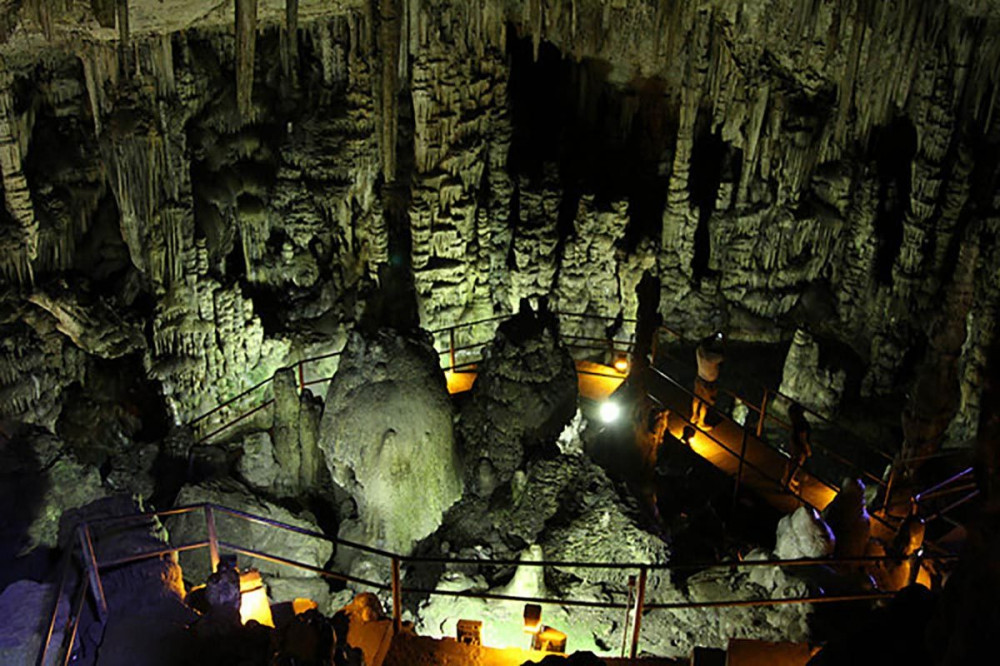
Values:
[(523, 398), (26, 608), (803, 534), (190, 528), (386, 436)]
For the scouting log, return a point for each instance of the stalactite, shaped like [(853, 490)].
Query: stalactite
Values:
[(124, 36), (389, 42), (17, 194), (246, 42), (290, 39)]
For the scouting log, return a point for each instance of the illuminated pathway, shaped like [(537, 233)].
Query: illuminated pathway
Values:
[(721, 446), (763, 468)]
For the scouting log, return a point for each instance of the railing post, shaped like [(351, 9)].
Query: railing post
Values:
[(213, 537), (739, 471), (302, 377), (397, 597), (628, 611), (90, 561), (451, 348), (763, 413), (640, 600)]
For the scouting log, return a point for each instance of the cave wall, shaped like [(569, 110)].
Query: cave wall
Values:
[(223, 182)]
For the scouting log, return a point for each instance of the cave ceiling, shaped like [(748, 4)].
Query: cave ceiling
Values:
[(214, 188)]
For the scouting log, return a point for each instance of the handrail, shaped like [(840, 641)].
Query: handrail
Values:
[(713, 409), (942, 484), (452, 350), (852, 465), (863, 441), (397, 589)]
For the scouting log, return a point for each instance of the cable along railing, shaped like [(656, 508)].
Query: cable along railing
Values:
[(637, 605)]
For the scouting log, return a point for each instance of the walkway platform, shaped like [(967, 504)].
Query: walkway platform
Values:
[(722, 446)]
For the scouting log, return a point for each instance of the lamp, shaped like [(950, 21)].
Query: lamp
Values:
[(532, 618), (470, 632), (610, 411), (621, 364), (253, 599)]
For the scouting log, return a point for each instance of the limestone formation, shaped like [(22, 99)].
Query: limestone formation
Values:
[(803, 534), (523, 397), (42, 481), (296, 423), (195, 195), (386, 436), (805, 381)]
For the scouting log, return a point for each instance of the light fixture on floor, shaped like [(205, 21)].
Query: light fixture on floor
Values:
[(621, 364), (470, 632), (532, 618), (253, 599)]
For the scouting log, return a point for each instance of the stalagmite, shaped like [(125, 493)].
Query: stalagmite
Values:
[(246, 42)]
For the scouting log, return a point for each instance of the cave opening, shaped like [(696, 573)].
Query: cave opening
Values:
[(605, 137), (893, 148)]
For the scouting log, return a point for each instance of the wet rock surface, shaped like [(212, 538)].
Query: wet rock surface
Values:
[(386, 436)]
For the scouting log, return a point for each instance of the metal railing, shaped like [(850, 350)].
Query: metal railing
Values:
[(91, 583), (612, 346), (743, 463), (453, 350)]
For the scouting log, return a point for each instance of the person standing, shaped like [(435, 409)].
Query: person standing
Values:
[(709, 355), (799, 446)]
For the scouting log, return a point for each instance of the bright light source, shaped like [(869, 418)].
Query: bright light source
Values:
[(253, 601), (621, 364), (301, 605), (610, 411)]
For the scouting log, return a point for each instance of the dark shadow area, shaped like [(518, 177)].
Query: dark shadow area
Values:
[(605, 138), (707, 158), (893, 148), (23, 487)]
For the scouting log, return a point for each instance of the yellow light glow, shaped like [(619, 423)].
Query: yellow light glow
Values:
[(253, 599), (621, 364), (300, 605), (459, 382)]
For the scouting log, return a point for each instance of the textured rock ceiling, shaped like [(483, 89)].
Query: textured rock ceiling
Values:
[(219, 197)]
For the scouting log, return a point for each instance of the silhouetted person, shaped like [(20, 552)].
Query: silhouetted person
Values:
[(799, 446), (709, 355), (909, 540)]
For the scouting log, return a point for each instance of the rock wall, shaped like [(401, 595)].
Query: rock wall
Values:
[(225, 186)]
